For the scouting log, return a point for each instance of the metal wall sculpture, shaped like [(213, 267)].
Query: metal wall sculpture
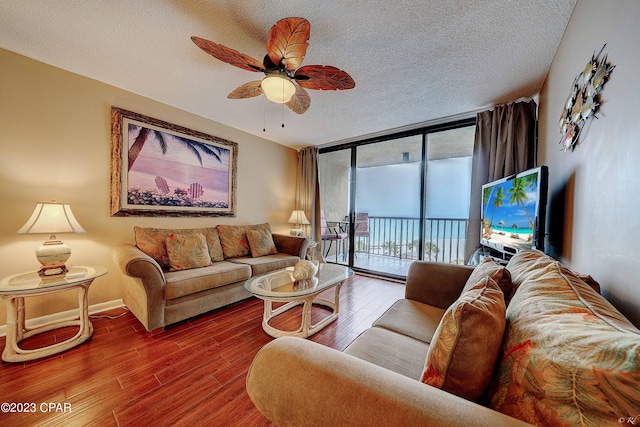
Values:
[(583, 101)]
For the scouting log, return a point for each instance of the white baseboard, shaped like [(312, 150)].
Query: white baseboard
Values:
[(66, 315)]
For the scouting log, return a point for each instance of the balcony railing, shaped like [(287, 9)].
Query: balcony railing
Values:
[(398, 237)]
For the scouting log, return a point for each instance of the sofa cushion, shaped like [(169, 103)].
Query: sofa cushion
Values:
[(187, 251), (265, 264), (569, 357), (411, 318), (466, 345), (499, 273), (151, 241), (261, 243), (396, 352), (186, 282)]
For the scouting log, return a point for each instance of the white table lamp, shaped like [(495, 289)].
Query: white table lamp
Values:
[(298, 218), (52, 218)]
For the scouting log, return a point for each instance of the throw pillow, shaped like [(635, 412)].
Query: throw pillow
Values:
[(499, 273), (261, 243), (466, 345), (151, 242), (213, 242), (187, 251), (233, 239)]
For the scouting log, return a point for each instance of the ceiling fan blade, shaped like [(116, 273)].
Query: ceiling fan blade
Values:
[(228, 55), (300, 101), (323, 77), (247, 90), (288, 41)]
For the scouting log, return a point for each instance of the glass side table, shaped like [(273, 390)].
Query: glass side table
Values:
[(14, 289)]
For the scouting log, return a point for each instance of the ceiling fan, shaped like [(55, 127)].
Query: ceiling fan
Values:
[(286, 48)]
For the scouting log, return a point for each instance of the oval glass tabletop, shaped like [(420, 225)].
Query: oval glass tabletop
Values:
[(31, 281), (281, 283)]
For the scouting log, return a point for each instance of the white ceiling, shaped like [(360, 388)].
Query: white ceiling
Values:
[(414, 61)]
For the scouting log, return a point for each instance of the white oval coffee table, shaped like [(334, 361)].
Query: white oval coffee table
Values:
[(280, 286)]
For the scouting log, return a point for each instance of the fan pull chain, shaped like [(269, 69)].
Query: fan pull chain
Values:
[(283, 103), (264, 115)]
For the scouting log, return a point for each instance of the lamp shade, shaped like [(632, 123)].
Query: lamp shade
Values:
[(277, 88), (298, 217), (52, 218)]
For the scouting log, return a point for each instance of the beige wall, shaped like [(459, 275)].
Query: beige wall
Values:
[(55, 139), (595, 190)]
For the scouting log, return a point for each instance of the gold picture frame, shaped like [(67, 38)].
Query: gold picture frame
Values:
[(162, 169)]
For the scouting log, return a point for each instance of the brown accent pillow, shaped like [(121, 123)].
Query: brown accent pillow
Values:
[(187, 251), (261, 243), (233, 239), (499, 273), (466, 345), (213, 242), (151, 242)]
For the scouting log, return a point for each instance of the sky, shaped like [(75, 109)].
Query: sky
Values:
[(395, 190), (512, 214)]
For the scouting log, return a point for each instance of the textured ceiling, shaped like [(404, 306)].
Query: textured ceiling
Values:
[(413, 61)]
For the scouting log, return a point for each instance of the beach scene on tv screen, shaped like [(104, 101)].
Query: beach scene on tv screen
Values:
[(509, 213)]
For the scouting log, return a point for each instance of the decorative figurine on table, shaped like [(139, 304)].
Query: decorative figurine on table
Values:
[(305, 269)]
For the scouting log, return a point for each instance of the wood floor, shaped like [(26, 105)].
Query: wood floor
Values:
[(191, 374)]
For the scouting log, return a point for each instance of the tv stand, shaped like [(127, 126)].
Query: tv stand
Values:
[(495, 254)]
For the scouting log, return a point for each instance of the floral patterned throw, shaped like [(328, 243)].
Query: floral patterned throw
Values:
[(569, 357)]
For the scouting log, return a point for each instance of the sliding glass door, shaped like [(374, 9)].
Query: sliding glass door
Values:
[(390, 201), (387, 204), (334, 173)]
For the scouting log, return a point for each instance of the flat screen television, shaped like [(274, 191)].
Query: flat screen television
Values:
[(513, 212)]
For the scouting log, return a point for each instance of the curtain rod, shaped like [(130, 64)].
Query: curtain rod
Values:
[(426, 123)]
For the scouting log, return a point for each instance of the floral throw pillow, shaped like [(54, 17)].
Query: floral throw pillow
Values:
[(261, 243), (233, 239), (466, 345), (151, 241), (187, 251), (213, 242), (499, 274)]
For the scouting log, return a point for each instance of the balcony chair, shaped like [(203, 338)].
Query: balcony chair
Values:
[(362, 228), (330, 235)]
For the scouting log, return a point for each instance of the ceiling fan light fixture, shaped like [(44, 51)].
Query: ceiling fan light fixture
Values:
[(277, 88)]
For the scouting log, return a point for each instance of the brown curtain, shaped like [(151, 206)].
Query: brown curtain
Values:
[(505, 144), (308, 191)]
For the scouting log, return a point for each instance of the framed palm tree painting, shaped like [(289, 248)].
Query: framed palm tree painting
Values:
[(162, 169)]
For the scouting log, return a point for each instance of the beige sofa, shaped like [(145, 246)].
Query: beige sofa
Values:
[(565, 356), (158, 294)]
